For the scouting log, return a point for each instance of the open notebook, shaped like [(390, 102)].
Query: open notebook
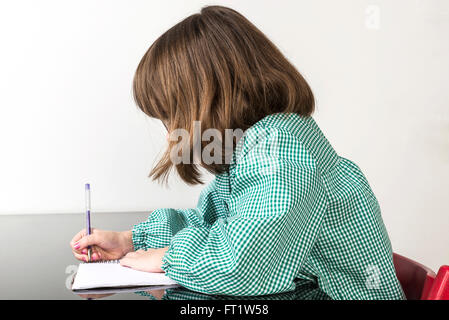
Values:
[(110, 274)]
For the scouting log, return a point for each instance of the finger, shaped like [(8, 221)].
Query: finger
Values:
[(127, 262), (78, 236), (96, 256), (82, 234), (86, 241), (158, 294), (92, 248), (95, 253), (130, 255), (80, 257)]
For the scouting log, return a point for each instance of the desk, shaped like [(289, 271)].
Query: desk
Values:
[(37, 262)]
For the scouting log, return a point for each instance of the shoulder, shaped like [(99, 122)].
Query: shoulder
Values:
[(274, 137)]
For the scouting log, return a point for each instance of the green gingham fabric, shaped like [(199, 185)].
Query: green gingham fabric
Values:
[(288, 208), (305, 290)]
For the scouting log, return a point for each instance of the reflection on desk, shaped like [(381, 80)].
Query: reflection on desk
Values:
[(305, 290)]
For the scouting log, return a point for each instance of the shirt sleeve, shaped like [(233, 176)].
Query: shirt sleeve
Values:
[(276, 209), (163, 224)]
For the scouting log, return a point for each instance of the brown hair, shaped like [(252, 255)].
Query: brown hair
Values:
[(215, 67)]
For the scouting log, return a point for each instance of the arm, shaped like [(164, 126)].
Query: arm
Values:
[(275, 214), (155, 232), (163, 224)]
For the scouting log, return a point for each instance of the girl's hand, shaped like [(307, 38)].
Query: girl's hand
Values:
[(149, 261), (158, 293), (105, 245)]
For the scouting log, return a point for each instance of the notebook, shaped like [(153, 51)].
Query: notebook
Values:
[(110, 274)]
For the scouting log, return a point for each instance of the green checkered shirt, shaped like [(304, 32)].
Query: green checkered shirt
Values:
[(289, 207)]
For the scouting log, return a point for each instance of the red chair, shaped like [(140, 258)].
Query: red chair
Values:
[(420, 282)]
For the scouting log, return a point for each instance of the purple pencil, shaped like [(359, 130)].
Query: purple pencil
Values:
[(88, 228)]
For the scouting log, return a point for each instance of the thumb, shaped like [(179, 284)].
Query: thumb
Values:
[(84, 242)]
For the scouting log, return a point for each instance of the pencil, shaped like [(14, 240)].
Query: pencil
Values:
[(88, 227)]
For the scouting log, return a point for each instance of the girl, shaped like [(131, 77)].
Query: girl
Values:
[(283, 205)]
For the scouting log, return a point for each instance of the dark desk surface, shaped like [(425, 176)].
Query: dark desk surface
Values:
[(37, 263)]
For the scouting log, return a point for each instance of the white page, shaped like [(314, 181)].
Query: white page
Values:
[(112, 274)]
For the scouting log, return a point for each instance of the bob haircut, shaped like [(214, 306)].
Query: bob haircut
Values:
[(217, 68)]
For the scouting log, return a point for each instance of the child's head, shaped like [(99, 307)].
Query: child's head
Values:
[(215, 67)]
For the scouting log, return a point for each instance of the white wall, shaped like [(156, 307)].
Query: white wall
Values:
[(379, 69)]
